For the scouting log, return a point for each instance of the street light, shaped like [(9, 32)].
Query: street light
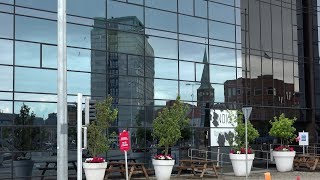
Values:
[(131, 84), (192, 95)]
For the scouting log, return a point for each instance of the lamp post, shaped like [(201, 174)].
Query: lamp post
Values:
[(192, 95), (62, 124), (131, 84)]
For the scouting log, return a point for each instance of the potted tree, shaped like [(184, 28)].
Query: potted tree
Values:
[(24, 141), (98, 142), (282, 128), (167, 130), (238, 152)]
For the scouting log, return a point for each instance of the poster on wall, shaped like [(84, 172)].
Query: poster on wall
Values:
[(221, 128)]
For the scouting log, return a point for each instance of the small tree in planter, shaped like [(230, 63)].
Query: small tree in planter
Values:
[(98, 142), (282, 128), (238, 151), (167, 129), (24, 141)]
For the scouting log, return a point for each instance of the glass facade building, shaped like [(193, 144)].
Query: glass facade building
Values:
[(215, 54)]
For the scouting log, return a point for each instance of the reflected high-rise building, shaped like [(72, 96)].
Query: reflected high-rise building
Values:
[(128, 62)]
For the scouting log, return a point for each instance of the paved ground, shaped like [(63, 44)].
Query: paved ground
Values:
[(257, 175)]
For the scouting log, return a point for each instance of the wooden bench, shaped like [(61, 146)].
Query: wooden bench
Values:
[(54, 167), (198, 166), (133, 168), (309, 161)]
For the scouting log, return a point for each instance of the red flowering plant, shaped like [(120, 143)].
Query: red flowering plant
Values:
[(163, 157), (282, 128), (284, 148), (239, 138), (95, 160)]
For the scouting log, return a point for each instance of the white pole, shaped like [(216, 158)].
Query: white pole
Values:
[(246, 126), (126, 160), (79, 137), (218, 157), (62, 123), (303, 150)]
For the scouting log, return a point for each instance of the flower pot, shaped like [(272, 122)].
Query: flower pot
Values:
[(163, 168), (23, 168), (284, 160), (94, 171), (239, 163)]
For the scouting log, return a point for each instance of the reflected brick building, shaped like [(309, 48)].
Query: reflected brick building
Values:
[(265, 91)]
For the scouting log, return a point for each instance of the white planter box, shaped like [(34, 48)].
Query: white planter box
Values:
[(284, 160), (94, 171), (239, 163), (163, 168)]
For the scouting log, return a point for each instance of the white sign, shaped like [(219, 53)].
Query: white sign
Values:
[(246, 112), (221, 118), (303, 139), (221, 127)]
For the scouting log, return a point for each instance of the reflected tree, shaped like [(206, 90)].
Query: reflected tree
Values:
[(24, 134)]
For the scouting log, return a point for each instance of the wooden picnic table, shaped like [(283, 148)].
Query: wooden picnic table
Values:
[(133, 168), (121, 159), (198, 165), (310, 161), (53, 166)]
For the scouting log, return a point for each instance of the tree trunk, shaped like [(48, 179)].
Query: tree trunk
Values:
[(166, 150)]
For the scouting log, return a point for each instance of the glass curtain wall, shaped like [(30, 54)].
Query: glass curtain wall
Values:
[(145, 53), (273, 63)]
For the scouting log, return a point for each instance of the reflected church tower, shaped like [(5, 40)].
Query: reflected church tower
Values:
[(205, 100)]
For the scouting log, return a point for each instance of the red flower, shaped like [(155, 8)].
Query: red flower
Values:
[(291, 149), (95, 160), (232, 151), (249, 151)]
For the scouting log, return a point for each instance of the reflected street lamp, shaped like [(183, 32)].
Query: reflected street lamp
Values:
[(192, 95)]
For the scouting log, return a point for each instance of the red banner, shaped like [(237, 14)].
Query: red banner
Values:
[(124, 141)]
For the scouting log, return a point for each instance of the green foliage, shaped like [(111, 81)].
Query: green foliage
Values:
[(240, 131), (282, 127), (98, 142), (24, 136), (169, 123)]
